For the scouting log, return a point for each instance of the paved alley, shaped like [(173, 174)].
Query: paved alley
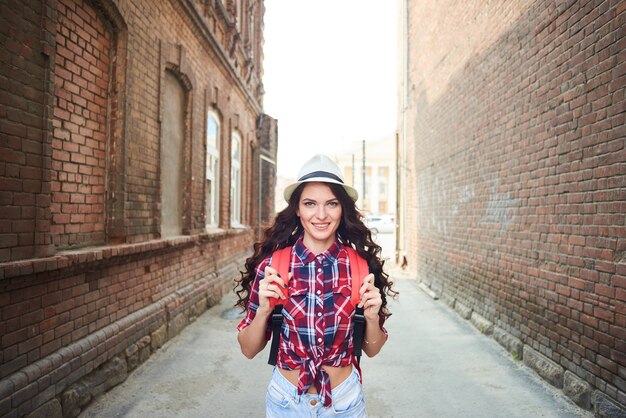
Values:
[(434, 365)]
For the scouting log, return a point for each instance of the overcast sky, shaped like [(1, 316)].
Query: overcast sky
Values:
[(330, 70)]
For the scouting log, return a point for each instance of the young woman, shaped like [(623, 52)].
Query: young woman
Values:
[(316, 373)]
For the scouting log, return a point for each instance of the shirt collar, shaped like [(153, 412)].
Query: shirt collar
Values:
[(306, 255)]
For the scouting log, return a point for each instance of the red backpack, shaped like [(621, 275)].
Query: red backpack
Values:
[(358, 270)]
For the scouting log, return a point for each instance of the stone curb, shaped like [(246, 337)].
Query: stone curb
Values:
[(578, 390), (481, 323)]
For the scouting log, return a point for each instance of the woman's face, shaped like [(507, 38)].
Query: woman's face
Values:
[(320, 214)]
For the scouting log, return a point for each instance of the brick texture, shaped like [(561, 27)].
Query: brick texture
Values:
[(23, 152), (86, 280), (81, 84), (516, 175)]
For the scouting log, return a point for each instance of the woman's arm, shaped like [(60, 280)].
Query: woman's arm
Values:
[(371, 301), (374, 338), (252, 338)]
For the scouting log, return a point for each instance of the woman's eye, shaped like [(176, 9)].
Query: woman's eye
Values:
[(333, 204), (309, 204)]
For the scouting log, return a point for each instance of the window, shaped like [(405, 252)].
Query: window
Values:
[(172, 143), (383, 178), (211, 187), (235, 180)]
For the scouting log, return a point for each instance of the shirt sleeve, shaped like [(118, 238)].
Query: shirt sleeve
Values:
[(253, 303)]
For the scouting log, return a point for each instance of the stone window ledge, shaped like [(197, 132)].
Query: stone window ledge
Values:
[(69, 258)]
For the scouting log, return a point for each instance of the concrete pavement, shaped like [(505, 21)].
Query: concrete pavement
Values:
[(435, 364)]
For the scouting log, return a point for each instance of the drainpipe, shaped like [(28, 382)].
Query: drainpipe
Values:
[(401, 141)]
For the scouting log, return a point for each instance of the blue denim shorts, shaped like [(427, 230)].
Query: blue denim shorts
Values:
[(282, 399)]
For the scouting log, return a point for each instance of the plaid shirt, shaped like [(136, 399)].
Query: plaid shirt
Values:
[(317, 325)]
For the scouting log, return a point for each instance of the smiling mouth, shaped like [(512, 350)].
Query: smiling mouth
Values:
[(321, 226)]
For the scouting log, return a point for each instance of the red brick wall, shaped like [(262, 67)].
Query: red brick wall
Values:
[(73, 313), (81, 118), (24, 191), (81, 84), (78, 294), (85, 278), (517, 167)]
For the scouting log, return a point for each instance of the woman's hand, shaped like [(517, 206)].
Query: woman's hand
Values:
[(271, 286), (371, 300), (252, 338)]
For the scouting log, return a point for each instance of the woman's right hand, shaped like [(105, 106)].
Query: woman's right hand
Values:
[(252, 339), (270, 287)]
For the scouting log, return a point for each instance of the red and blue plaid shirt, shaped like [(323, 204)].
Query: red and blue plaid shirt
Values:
[(317, 325)]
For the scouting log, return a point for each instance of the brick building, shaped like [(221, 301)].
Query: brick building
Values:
[(136, 168), (513, 159)]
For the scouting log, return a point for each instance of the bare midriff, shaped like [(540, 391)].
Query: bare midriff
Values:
[(337, 376)]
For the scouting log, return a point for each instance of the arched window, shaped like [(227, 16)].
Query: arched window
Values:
[(235, 180), (211, 188)]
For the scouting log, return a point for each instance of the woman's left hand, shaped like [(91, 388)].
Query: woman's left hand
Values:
[(371, 300)]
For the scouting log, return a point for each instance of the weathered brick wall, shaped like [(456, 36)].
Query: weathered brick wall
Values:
[(24, 190), (74, 313), (81, 83), (86, 291), (517, 172), (88, 288), (81, 117)]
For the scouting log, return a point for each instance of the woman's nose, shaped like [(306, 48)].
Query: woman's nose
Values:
[(321, 212)]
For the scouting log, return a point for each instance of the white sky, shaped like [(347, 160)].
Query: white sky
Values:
[(330, 70)]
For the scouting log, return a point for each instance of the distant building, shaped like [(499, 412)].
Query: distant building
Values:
[(378, 194), (137, 167)]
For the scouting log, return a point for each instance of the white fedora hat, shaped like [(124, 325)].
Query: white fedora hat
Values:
[(322, 169)]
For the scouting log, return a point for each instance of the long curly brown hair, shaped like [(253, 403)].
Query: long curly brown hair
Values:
[(287, 229)]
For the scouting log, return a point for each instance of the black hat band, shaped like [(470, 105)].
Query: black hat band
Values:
[(321, 174)]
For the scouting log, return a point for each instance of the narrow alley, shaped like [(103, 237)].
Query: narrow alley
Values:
[(140, 159), (434, 365)]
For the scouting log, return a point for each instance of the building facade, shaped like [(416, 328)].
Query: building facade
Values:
[(136, 168), (512, 156), (369, 166)]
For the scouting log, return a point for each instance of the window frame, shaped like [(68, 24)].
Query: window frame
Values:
[(212, 160), (235, 179)]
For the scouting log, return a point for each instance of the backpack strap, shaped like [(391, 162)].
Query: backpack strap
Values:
[(358, 270), (280, 262), (277, 324)]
